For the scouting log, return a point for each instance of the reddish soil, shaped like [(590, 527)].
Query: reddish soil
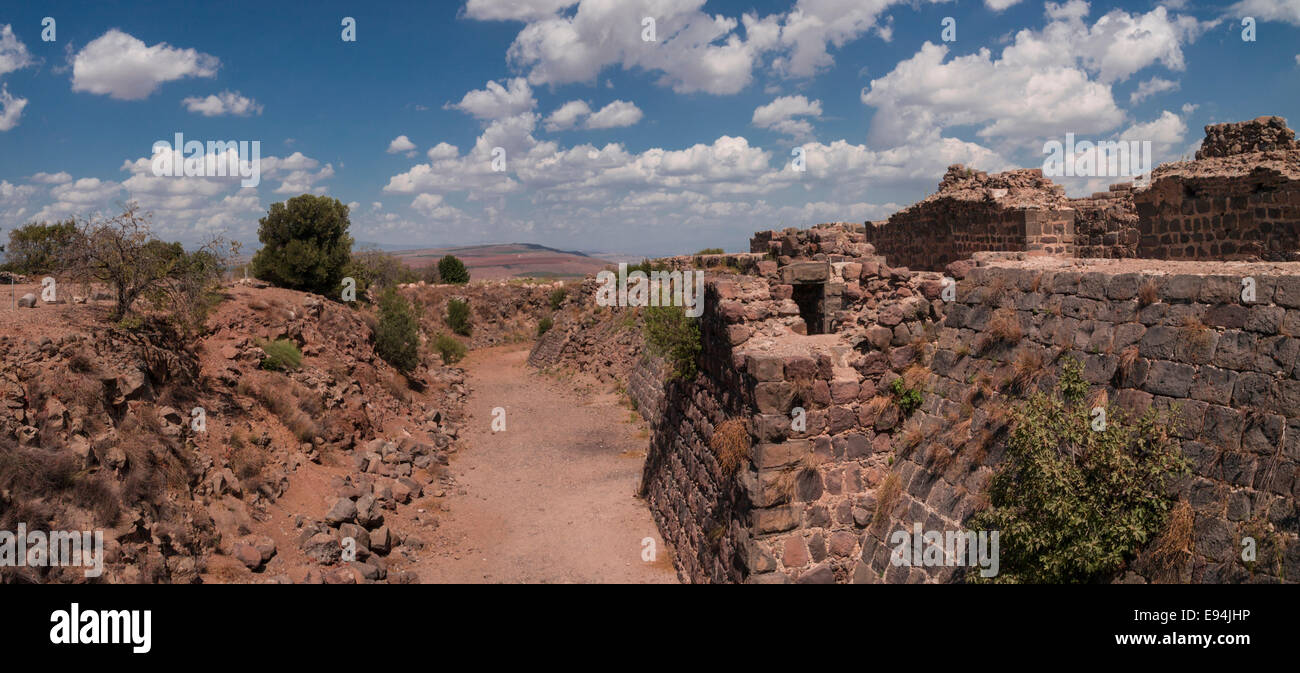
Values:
[(553, 497)]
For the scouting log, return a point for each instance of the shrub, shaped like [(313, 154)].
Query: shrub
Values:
[(544, 325), (458, 316), (711, 251), (280, 355), (377, 269), (1072, 502), (908, 399), (674, 336), (397, 338), (305, 244), (557, 297), (452, 270), (451, 350)]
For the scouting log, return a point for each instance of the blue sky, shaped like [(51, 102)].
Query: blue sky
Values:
[(611, 142)]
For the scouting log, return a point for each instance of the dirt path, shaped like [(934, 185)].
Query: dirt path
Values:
[(550, 499)]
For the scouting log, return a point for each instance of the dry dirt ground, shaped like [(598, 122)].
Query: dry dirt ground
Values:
[(553, 497)]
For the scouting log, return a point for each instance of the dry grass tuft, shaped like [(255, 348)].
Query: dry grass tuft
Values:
[(886, 497), (1148, 294), (1174, 544), (1003, 329), (1028, 367), (731, 444)]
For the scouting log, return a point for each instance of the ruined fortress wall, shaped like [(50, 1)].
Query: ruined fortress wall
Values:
[(645, 387), (934, 233), (1224, 370), (1254, 215), (698, 504), (1105, 225)]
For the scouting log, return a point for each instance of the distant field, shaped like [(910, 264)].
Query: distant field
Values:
[(511, 260)]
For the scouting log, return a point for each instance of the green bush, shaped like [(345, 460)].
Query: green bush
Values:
[(452, 270), (674, 336), (458, 317), (1073, 502), (908, 399), (711, 251), (305, 245), (38, 248), (449, 348), (280, 355), (544, 325), (397, 338), (557, 297)]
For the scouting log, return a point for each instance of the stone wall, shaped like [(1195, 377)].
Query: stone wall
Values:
[(1239, 212), (1223, 370), (935, 233), (700, 507), (1261, 134), (1105, 224)]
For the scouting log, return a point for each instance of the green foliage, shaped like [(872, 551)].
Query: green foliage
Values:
[(377, 269), (452, 270), (908, 399), (458, 316), (557, 297), (280, 355), (121, 252), (38, 248), (711, 251), (397, 338), (305, 245), (449, 348), (646, 266), (674, 336), (544, 325), (1073, 502)]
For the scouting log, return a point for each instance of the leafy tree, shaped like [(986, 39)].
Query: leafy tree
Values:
[(397, 338), (452, 270), (38, 248), (305, 245), (1074, 499), (458, 316), (121, 252)]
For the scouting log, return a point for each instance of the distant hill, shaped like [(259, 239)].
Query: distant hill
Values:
[(509, 260)]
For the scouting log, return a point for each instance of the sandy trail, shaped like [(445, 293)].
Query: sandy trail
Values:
[(550, 499)]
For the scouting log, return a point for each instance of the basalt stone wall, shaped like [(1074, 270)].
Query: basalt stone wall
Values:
[(645, 386), (1105, 224), (1223, 371), (934, 233), (1253, 215), (700, 507), (1261, 134), (813, 485)]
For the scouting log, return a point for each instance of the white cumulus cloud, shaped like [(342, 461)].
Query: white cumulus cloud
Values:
[(124, 67)]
